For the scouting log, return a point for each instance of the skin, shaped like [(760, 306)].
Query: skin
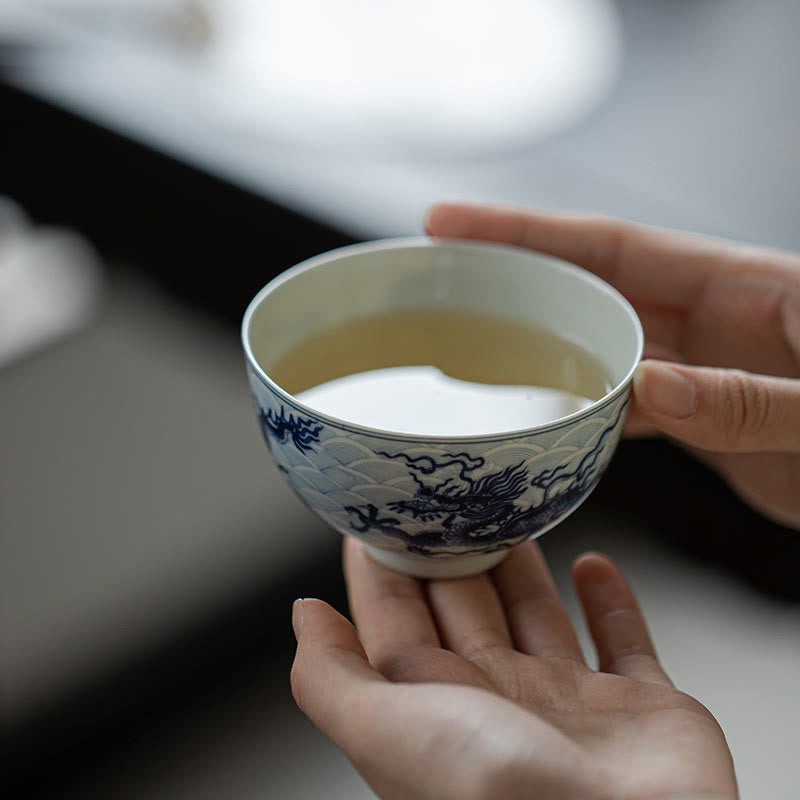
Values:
[(723, 316), (477, 688)]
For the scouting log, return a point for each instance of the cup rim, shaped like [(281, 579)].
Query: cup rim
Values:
[(412, 242)]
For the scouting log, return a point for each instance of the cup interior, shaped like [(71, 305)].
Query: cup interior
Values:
[(397, 275)]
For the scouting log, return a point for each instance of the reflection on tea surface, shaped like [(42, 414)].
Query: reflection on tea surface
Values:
[(441, 372)]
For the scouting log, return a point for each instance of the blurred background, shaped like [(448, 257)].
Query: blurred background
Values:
[(160, 160)]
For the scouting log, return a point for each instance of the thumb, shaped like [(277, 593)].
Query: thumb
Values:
[(330, 668), (724, 410)]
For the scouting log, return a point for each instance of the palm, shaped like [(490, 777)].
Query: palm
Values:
[(476, 688), (629, 733), (701, 302)]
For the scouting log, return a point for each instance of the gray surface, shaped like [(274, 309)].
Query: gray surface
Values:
[(135, 493), (733, 650), (116, 540)]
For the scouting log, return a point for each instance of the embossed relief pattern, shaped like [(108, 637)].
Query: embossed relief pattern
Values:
[(438, 499)]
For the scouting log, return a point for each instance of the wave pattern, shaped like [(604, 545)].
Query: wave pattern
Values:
[(439, 499)]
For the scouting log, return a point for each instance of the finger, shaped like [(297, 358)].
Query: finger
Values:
[(330, 668), (661, 352), (615, 621), (637, 423), (666, 266), (469, 617), (386, 730), (664, 326), (390, 610), (638, 426), (539, 625), (719, 409)]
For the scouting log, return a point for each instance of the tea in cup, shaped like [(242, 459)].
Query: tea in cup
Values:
[(440, 400)]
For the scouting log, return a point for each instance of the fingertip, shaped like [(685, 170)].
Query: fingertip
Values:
[(615, 620), (317, 620), (428, 220), (314, 619), (297, 618), (324, 638), (358, 564), (441, 219), (589, 556), (455, 218), (598, 580), (665, 390), (351, 549), (329, 668), (719, 409), (594, 567)]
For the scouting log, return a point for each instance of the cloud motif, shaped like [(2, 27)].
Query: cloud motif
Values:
[(442, 499)]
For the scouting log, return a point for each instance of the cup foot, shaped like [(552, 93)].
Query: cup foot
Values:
[(425, 567)]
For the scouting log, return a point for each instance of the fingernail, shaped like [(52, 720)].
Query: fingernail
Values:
[(297, 617), (426, 222), (664, 390), (595, 568)]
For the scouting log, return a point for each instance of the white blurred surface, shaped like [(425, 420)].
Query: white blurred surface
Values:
[(412, 76), (390, 143), (700, 130), (392, 77), (50, 283)]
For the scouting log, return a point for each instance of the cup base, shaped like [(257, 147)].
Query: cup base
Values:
[(425, 567)]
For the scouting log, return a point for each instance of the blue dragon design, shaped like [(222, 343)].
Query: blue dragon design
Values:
[(480, 514), (302, 433)]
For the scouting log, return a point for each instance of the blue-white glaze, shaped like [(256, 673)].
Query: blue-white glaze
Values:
[(438, 498)]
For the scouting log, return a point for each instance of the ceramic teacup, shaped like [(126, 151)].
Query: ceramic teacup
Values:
[(387, 488)]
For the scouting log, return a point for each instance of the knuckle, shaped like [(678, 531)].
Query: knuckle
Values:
[(630, 657), (393, 593), (745, 410), (482, 646), (616, 656)]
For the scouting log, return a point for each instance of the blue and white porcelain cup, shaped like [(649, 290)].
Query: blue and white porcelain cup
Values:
[(386, 488)]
